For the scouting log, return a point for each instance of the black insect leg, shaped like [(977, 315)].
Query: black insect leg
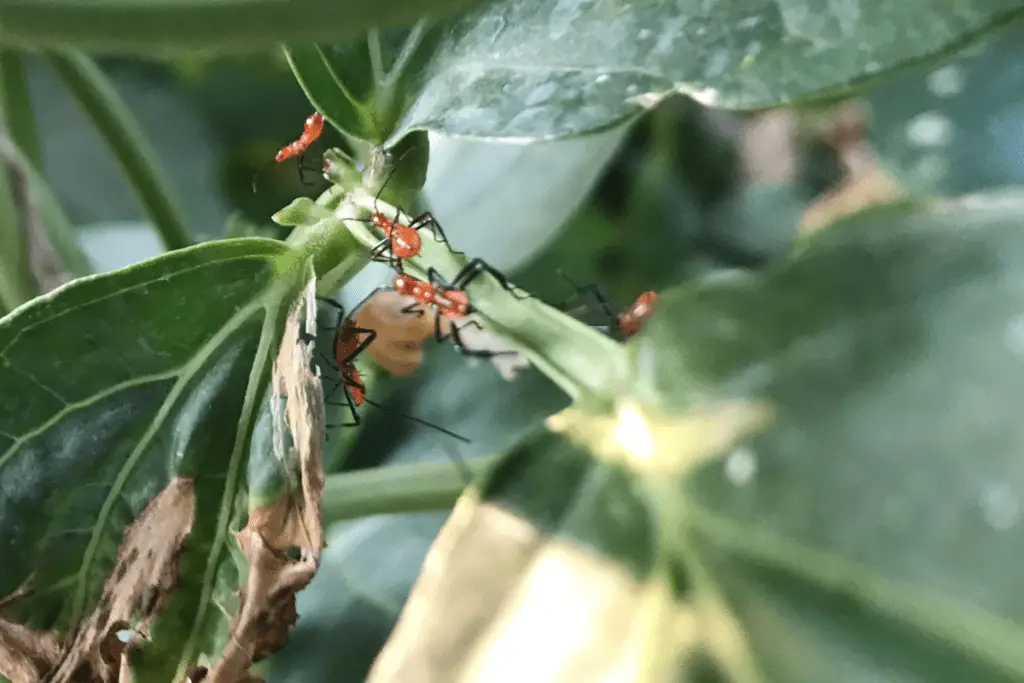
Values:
[(305, 166), (473, 270), (427, 220), (349, 403), (458, 343)]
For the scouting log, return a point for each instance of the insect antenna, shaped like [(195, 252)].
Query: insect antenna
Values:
[(423, 422)]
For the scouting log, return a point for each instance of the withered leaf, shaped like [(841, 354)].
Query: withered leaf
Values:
[(267, 611), (145, 573)]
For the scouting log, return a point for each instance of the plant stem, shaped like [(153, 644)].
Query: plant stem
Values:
[(17, 107), (400, 488), (115, 123)]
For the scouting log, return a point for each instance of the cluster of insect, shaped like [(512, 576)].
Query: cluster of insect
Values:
[(448, 300)]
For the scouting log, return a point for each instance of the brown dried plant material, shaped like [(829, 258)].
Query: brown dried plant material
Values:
[(267, 611), (26, 655), (398, 347), (768, 150), (146, 571), (145, 574), (865, 183)]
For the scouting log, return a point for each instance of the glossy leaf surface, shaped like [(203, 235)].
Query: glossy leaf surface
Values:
[(871, 533), (113, 385), (526, 70)]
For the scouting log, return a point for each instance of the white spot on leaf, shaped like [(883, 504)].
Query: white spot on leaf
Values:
[(929, 129), (1014, 335), (1000, 507), (947, 81), (741, 466)]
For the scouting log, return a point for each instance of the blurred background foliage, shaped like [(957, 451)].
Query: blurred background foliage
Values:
[(685, 190)]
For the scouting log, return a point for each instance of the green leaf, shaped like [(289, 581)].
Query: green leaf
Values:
[(520, 69), (360, 85), (331, 91), (526, 192), (953, 129), (143, 27), (555, 540), (115, 384), (872, 533)]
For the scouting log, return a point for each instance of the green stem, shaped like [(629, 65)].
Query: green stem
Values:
[(17, 107), (115, 123), (401, 488)]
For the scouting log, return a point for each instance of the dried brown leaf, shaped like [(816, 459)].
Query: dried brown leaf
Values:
[(398, 347), (267, 611), (144, 575), (26, 654), (866, 184)]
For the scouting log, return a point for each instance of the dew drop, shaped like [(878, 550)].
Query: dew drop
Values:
[(644, 34), (947, 81), (741, 466), (632, 89), (603, 78), (999, 507), (929, 129), (1014, 335)]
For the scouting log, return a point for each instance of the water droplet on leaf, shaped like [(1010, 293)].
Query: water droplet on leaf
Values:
[(1000, 507), (741, 466)]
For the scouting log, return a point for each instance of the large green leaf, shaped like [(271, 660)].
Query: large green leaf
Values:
[(529, 70), (557, 548), (874, 532), (953, 129), (144, 27), (113, 385)]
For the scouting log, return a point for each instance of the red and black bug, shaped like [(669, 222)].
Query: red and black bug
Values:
[(451, 300), (351, 340), (622, 325), (401, 241), (312, 129)]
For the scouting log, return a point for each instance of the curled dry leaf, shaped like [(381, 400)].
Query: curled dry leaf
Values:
[(26, 655), (864, 183), (146, 572), (398, 347), (768, 151), (267, 610)]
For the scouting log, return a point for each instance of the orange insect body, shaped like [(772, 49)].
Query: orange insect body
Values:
[(452, 303), (405, 241), (346, 346), (633, 319), (311, 131)]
